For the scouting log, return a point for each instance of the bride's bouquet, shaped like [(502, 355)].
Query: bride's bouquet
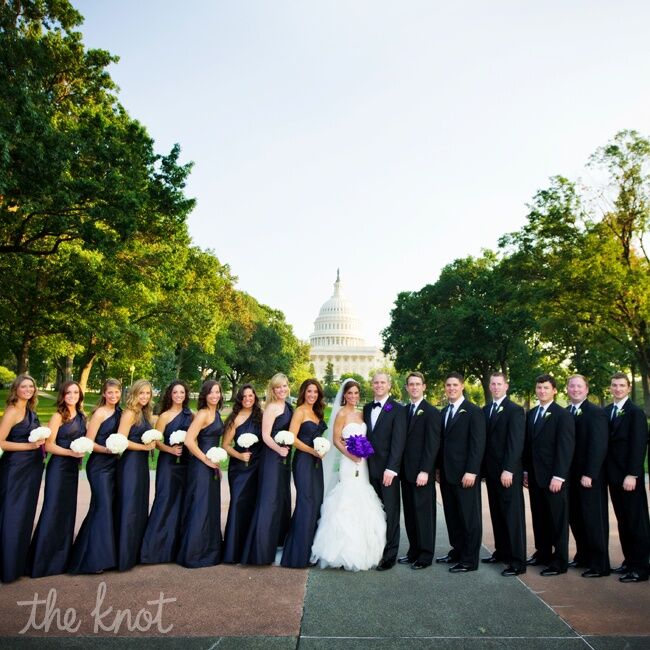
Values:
[(322, 446), (246, 441), (359, 446), (177, 438), (216, 455), (284, 439)]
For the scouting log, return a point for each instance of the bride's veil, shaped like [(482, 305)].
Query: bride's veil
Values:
[(332, 460)]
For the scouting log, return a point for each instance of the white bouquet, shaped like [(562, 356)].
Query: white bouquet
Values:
[(39, 433), (322, 445), (82, 445), (117, 443), (246, 441), (151, 435), (177, 437), (284, 439), (216, 455)]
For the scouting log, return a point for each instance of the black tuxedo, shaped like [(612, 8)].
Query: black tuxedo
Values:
[(420, 451), (588, 507), (505, 434), (462, 448), (548, 452), (387, 437), (628, 438)]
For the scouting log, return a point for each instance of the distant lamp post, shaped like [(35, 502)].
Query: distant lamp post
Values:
[(132, 369)]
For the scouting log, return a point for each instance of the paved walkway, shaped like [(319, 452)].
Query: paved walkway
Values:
[(269, 607)]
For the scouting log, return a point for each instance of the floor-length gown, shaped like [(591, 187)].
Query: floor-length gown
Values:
[(200, 544), (131, 500), (161, 538), (20, 481), (242, 480), (351, 532), (308, 479), (95, 550), (272, 515), (49, 553)]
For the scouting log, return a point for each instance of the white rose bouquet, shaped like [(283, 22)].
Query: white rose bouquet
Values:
[(284, 439), (151, 435), (39, 433), (82, 445), (117, 443), (322, 446), (177, 438), (246, 441), (216, 455)]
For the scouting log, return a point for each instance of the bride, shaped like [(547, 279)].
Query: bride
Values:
[(351, 532)]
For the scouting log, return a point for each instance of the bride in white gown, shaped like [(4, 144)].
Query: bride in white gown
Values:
[(351, 532)]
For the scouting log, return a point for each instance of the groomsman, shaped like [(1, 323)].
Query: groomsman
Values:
[(462, 447), (502, 468), (386, 423), (548, 451), (588, 505), (418, 478), (628, 437)]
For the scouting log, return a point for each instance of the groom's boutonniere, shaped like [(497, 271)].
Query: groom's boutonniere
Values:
[(420, 412), (388, 407)]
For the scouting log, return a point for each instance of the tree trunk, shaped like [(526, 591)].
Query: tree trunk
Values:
[(633, 394), (85, 370), (68, 367), (179, 360), (23, 356)]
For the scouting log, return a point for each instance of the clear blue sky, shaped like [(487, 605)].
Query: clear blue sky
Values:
[(384, 138)]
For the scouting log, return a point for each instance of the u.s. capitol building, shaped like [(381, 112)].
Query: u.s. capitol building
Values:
[(337, 339)]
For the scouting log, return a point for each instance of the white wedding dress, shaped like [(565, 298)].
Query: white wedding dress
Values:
[(351, 532)]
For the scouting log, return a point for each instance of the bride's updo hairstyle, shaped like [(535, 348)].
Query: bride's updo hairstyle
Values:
[(349, 383)]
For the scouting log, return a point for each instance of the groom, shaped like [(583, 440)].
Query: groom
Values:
[(386, 423)]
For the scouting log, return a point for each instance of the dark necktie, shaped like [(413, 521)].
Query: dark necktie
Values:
[(493, 413), (614, 411), (573, 409)]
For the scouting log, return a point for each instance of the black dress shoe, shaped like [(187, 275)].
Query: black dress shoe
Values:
[(573, 564), (384, 565), (405, 559), (419, 565), (490, 560), (511, 571), (551, 571), (445, 559), (620, 569), (594, 574), (461, 568), (534, 561), (633, 576)]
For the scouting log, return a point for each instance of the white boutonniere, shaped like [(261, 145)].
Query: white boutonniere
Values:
[(500, 409), (462, 411), (621, 412), (547, 414), (578, 412), (420, 412)]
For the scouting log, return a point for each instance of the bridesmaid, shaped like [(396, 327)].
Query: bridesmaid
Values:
[(243, 470), (201, 525), (21, 470), (161, 538), (273, 505), (306, 424), (94, 550), (132, 484), (52, 543)]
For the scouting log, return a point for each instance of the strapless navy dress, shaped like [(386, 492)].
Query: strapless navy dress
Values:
[(49, 553), (162, 536), (20, 481), (201, 524), (308, 479), (242, 481), (272, 514), (94, 550), (131, 500)]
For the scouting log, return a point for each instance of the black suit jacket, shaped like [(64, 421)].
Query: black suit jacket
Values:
[(506, 433), (422, 441), (592, 434), (628, 437), (387, 438), (463, 442), (548, 451)]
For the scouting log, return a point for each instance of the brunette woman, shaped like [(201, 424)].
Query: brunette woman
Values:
[(52, 542), (21, 470), (243, 469)]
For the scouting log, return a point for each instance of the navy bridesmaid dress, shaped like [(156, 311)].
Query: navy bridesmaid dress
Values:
[(308, 479), (131, 500), (242, 481), (201, 525), (272, 514), (162, 536), (20, 481), (94, 550), (49, 553)]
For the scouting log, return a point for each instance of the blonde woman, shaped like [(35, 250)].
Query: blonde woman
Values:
[(132, 493), (21, 470), (94, 550), (272, 514)]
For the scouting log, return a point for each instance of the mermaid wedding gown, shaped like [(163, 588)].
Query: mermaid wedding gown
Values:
[(351, 531)]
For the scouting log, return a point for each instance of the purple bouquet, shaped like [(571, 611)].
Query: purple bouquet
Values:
[(359, 446)]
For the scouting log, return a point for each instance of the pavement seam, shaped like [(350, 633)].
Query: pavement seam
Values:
[(473, 638)]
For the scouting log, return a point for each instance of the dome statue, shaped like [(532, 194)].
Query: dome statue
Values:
[(337, 339)]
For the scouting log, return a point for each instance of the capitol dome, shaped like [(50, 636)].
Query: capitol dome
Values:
[(337, 339)]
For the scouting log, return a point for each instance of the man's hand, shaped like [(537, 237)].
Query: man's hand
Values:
[(585, 481), (468, 480), (506, 479), (555, 485), (629, 484), (422, 479), (388, 477)]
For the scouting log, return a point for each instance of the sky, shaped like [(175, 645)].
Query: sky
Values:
[(383, 138)]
